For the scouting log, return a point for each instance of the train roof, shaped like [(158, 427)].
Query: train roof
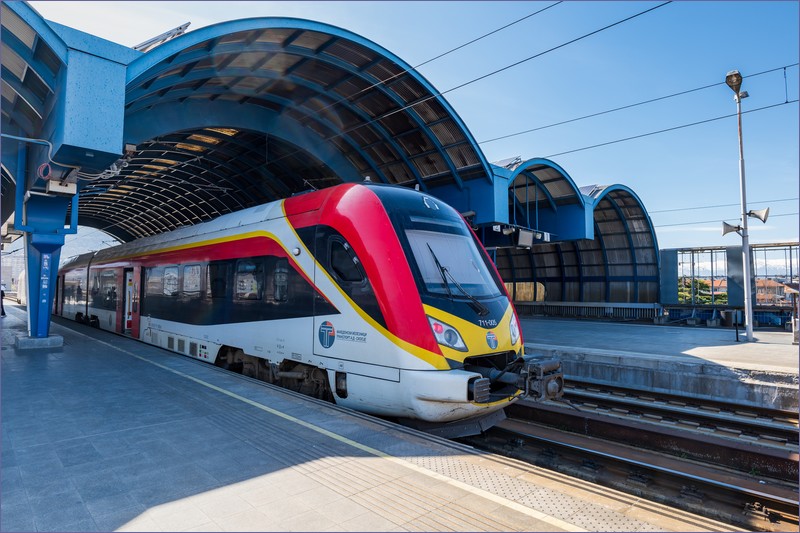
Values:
[(303, 202), (251, 215)]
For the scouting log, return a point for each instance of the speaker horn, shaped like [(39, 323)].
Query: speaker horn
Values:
[(760, 215), (727, 228)]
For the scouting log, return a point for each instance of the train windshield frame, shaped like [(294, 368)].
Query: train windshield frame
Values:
[(447, 259)]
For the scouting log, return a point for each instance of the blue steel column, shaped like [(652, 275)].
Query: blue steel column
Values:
[(43, 254), (44, 237)]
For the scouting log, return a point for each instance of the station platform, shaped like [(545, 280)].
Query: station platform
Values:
[(701, 362), (109, 434)]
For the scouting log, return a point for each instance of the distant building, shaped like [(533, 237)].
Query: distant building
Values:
[(12, 266), (720, 285), (771, 292)]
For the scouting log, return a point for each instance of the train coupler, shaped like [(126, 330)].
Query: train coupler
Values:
[(542, 379)]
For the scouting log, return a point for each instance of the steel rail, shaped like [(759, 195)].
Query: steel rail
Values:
[(651, 466)]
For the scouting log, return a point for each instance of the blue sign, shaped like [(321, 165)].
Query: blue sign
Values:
[(327, 334), (491, 340)]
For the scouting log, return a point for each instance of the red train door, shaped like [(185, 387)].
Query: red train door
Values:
[(58, 304), (128, 297)]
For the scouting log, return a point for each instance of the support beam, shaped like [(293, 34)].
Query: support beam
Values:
[(44, 237)]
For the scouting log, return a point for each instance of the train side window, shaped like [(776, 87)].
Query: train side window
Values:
[(192, 277), (108, 288), (344, 263), (154, 277), (97, 298), (249, 282), (280, 280), (170, 281), (217, 276)]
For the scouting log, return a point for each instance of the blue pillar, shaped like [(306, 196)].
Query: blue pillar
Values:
[(44, 252), (44, 237)]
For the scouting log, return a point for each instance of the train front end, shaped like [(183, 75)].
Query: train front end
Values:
[(469, 321)]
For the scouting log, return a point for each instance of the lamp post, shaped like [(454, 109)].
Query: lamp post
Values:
[(734, 80)]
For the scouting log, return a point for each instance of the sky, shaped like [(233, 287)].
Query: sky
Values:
[(687, 178)]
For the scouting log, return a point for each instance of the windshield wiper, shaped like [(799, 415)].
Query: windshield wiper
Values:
[(479, 308), (442, 272)]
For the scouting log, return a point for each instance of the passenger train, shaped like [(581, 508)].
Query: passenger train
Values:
[(376, 297)]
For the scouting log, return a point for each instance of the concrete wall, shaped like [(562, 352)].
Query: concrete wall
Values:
[(701, 380)]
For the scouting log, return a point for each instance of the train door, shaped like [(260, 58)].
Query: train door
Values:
[(58, 304), (128, 298), (339, 332)]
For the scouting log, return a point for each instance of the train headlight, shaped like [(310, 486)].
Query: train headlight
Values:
[(447, 335), (514, 329)]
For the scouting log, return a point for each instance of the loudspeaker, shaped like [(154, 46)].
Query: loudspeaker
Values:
[(727, 228), (760, 215)]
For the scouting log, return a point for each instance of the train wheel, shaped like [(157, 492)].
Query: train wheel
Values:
[(322, 389), (227, 359)]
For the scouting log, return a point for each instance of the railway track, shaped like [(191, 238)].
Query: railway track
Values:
[(719, 461), (768, 427)]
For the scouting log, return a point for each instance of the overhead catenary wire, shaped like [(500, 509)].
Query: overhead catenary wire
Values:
[(498, 71), (720, 205), (668, 129), (629, 106), (479, 78), (443, 54), (716, 221)]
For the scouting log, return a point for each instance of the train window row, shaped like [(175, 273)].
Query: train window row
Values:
[(261, 278), (229, 291)]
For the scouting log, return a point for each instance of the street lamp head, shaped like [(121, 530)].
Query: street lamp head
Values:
[(734, 80)]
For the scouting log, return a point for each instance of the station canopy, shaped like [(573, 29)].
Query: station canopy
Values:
[(616, 261), (251, 111)]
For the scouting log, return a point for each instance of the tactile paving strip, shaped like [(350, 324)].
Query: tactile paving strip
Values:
[(556, 504), (372, 482), (379, 485)]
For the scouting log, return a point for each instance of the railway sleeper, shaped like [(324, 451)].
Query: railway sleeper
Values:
[(759, 510)]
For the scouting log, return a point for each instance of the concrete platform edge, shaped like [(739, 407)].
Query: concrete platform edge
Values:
[(679, 376)]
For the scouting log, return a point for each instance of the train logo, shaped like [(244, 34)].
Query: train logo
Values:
[(327, 334), (491, 340)]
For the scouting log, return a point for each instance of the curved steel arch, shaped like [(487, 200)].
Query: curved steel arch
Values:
[(645, 216), (643, 271), (589, 274), (160, 88), (207, 39), (347, 106), (529, 168), (171, 48), (171, 118)]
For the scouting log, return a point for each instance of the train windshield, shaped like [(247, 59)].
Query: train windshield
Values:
[(448, 259)]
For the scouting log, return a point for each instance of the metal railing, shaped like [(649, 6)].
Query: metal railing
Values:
[(620, 311)]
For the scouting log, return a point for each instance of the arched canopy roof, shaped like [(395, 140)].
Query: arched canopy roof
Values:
[(544, 184), (254, 110), (619, 265), (541, 195)]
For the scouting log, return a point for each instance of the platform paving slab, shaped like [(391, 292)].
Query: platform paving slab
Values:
[(166, 445)]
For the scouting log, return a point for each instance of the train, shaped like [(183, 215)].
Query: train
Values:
[(375, 297)]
